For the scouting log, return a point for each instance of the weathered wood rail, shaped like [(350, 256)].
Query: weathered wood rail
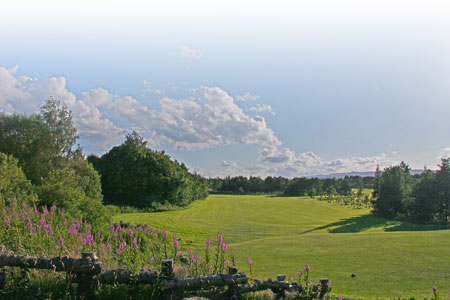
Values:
[(88, 273)]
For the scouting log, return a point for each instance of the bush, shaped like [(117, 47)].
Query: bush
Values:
[(14, 186)]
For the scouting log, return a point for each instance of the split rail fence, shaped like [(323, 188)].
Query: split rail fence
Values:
[(87, 273)]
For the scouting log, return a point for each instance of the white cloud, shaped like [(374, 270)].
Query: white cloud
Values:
[(26, 95), (262, 108), (148, 89), (228, 164), (185, 124), (247, 97), (187, 52), (276, 161), (276, 155)]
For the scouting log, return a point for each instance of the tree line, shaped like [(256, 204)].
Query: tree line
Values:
[(299, 186), (422, 199), (41, 165)]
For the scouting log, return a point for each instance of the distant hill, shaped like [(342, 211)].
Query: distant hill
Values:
[(354, 173)]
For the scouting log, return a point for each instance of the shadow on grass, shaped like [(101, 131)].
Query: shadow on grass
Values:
[(366, 222)]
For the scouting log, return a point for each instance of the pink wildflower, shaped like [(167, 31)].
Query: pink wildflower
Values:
[(224, 247), (249, 261), (29, 225), (306, 268), (219, 238), (207, 243)]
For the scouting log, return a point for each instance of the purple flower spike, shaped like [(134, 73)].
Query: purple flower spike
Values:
[(307, 268), (207, 243), (29, 225), (249, 261)]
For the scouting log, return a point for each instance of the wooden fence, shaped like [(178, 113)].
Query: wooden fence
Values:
[(87, 273)]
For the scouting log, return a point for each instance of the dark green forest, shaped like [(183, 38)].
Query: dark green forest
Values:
[(134, 175)]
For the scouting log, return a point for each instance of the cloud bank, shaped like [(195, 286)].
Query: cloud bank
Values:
[(213, 119), (182, 124)]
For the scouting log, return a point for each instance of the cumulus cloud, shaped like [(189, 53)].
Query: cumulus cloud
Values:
[(262, 108), (25, 94), (187, 52), (284, 161), (247, 97), (277, 161), (185, 124)]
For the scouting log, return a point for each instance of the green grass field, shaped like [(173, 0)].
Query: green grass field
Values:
[(281, 234)]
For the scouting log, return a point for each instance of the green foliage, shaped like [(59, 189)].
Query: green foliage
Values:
[(431, 196), (394, 189), (41, 142), (14, 186), (288, 187), (43, 145), (134, 175), (78, 193), (423, 204), (443, 189)]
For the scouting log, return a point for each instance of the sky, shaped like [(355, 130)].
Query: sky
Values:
[(262, 88)]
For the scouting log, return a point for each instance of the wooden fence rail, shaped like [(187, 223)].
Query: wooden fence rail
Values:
[(88, 273)]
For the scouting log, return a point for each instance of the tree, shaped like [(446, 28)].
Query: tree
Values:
[(344, 187), (71, 191), (40, 142), (422, 208), (14, 186), (443, 191), (132, 174), (44, 146), (394, 192)]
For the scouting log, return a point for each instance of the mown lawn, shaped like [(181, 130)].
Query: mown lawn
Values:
[(281, 234)]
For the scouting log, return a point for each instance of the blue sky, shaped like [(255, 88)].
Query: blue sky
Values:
[(230, 87)]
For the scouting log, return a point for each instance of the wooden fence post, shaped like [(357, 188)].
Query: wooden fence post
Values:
[(323, 287), (86, 283), (167, 269), (231, 293), (2, 280), (167, 274), (279, 293)]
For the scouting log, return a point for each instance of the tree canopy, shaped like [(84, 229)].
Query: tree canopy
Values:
[(43, 147), (134, 175)]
